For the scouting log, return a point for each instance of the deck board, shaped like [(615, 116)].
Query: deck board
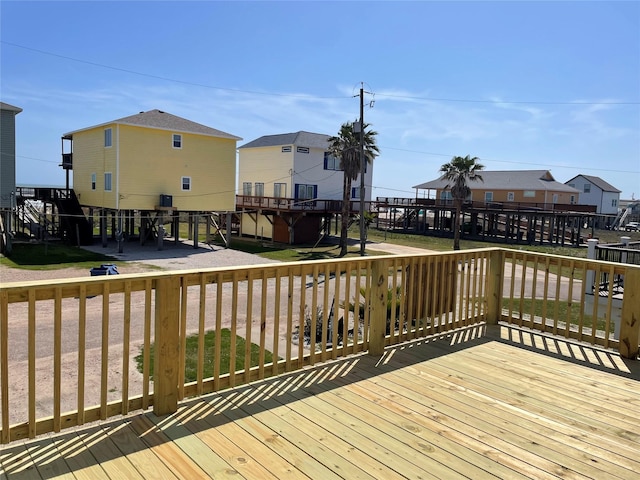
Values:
[(504, 404)]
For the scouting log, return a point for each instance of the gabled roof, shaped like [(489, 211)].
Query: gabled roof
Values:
[(158, 119), (299, 139), (598, 182), (10, 108), (507, 180)]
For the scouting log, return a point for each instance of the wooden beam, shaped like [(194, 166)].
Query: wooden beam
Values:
[(378, 306), (167, 345), (630, 324)]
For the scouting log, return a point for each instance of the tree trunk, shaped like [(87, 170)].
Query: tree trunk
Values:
[(456, 226), (346, 198)]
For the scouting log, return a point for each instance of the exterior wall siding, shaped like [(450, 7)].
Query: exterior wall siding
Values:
[(502, 196), (268, 165), (264, 227), (150, 167), (144, 165), (91, 156), (8, 158), (595, 196)]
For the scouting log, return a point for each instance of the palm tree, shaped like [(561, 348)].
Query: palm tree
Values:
[(458, 172), (346, 147)]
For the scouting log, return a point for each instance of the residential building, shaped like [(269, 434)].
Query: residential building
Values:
[(532, 187), (153, 159), (8, 155), (288, 184), (595, 191)]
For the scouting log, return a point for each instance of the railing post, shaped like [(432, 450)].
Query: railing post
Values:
[(167, 345), (630, 323), (378, 306), (495, 274), (592, 243)]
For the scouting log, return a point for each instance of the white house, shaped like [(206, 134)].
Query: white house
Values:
[(288, 183), (595, 191)]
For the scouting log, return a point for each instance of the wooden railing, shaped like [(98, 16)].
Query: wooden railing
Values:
[(80, 350)]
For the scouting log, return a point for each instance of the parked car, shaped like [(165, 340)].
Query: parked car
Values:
[(632, 227)]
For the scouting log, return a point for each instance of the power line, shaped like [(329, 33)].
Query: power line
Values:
[(550, 165), (254, 92)]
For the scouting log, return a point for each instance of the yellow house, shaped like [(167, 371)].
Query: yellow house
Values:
[(153, 159)]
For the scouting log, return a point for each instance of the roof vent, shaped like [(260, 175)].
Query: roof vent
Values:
[(160, 111)]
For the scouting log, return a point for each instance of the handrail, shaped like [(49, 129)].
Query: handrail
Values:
[(84, 333)]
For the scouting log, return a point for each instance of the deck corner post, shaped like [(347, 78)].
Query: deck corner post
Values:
[(495, 275), (630, 322), (167, 345), (378, 306)]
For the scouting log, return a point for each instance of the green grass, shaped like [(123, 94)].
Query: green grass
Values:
[(563, 311), (37, 256), (191, 365)]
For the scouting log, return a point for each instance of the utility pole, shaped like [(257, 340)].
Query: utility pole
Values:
[(362, 171)]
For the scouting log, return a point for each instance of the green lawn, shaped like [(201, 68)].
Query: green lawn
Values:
[(191, 365), (38, 256), (565, 312)]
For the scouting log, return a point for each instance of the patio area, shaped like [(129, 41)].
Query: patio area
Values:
[(480, 401)]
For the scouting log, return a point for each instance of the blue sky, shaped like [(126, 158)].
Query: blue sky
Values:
[(521, 85)]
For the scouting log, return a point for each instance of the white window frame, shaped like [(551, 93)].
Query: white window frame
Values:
[(108, 138), (280, 190), (108, 181), (586, 188), (554, 198), (259, 189), (94, 181), (488, 197), (511, 196), (529, 194), (302, 149), (176, 141), (185, 181), (247, 188), (573, 199), (286, 149)]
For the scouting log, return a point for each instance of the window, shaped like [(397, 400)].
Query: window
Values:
[(614, 202), (529, 193), (107, 137), (186, 183), (246, 188), (488, 196), (587, 188), (280, 190), (572, 185), (286, 149), (93, 181), (305, 192), (177, 140), (446, 195), (355, 193), (259, 189), (107, 182), (302, 150), (573, 199), (555, 198), (511, 196), (331, 162)]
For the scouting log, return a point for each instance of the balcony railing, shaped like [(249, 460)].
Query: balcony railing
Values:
[(68, 349), (297, 204)]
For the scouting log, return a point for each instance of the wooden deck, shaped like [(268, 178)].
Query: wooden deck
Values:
[(482, 402)]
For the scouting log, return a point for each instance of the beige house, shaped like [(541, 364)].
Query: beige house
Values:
[(531, 187)]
